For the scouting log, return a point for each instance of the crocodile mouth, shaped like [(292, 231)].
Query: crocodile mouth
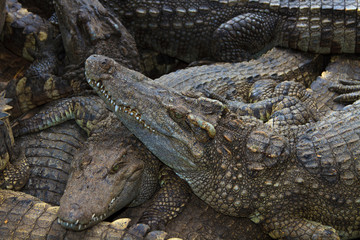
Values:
[(77, 226), (116, 106)]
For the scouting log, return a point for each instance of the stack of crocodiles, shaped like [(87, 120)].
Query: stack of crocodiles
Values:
[(247, 140)]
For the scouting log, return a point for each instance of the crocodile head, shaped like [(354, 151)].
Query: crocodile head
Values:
[(160, 117), (110, 172)]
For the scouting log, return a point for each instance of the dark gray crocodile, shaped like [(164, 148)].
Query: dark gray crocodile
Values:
[(26, 217), (49, 154), (299, 183), (233, 30)]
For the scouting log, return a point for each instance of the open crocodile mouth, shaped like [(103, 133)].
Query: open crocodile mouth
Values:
[(116, 106)]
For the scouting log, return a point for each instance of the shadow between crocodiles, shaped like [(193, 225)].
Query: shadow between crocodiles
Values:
[(239, 165)]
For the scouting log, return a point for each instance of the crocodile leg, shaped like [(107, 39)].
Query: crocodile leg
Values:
[(168, 202), (15, 176), (281, 227), (285, 104), (245, 35), (86, 111)]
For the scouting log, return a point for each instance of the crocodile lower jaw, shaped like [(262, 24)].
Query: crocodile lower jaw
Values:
[(77, 226)]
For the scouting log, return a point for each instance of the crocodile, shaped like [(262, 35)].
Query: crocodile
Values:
[(21, 26), (299, 182), (12, 176), (50, 154), (50, 78), (26, 217), (197, 221), (129, 176), (234, 80), (348, 81), (328, 88), (234, 30)]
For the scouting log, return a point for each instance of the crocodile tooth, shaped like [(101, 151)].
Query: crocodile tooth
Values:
[(79, 227), (93, 215), (77, 221), (98, 84), (116, 108)]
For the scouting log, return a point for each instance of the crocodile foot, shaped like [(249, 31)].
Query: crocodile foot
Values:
[(349, 91)]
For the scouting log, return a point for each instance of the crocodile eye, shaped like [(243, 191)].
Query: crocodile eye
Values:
[(116, 167), (178, 113)]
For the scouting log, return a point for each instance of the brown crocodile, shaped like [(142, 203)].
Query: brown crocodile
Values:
[(297, 183), (129, 176), (233, 30)]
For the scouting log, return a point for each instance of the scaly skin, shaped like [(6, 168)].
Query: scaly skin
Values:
[(98, 188), (341, 71), (295, 186), (43, 81), (274, 81), (11, 176), (87, 27), (26, 217), (234, 80), (20, 28), (197, 219), (234, 30), (50, 154)]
